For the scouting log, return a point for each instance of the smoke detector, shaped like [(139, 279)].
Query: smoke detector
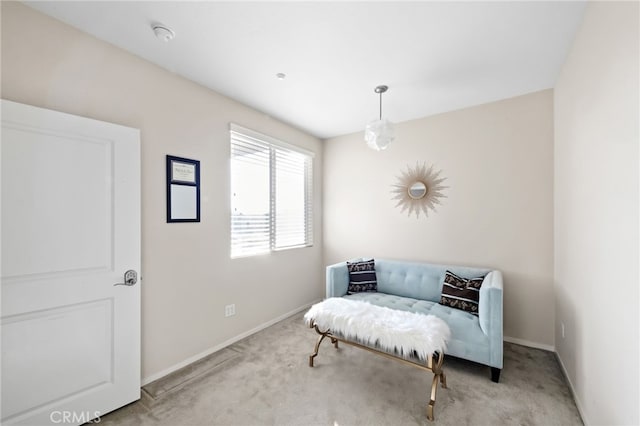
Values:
[(163, 32)]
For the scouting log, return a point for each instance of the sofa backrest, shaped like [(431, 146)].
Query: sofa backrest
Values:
[(418, 280)]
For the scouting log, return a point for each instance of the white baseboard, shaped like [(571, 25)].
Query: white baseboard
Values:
[(190, 360), (585, 421), (530, 344)]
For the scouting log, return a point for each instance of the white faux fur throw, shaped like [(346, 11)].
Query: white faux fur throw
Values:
[(391, 330)]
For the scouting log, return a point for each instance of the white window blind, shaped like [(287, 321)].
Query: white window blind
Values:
[(271, 194)]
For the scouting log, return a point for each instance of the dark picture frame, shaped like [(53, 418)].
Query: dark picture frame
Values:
[(183, 189)]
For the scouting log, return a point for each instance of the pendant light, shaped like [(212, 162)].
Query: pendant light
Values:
[(379, 133)]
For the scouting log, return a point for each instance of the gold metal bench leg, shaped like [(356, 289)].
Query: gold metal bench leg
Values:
[(322, 334), (432, 401), (430, 410), (438, 376), (438, 371), (315, 352), (433, 365), (443, 380)]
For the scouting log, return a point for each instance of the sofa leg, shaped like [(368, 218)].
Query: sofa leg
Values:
[(495, 374)]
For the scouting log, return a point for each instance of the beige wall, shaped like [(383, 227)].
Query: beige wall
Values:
[(188, 276), (498, 161), (596, 214)]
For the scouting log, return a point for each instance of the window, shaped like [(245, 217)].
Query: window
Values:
[(271, 194)]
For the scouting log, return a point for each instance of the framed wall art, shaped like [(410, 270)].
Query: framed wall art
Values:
[(183, 189)]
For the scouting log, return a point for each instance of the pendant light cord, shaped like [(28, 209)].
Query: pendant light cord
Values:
[(380, 90)]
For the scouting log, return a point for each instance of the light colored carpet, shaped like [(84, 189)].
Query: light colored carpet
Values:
[(265, 380)]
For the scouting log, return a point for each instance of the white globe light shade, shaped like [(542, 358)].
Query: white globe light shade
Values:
[(379, 134)]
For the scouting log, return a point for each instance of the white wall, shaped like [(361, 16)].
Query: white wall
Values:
[(596, 214), (188, 276), (498, 161)]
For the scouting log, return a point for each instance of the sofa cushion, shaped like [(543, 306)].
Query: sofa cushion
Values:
[(362, 277), (461, 293), (467, 338)]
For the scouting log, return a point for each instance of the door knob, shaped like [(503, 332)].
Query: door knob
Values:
[(130, 278)]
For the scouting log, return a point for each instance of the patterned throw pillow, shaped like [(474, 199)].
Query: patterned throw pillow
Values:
[(362, 277), (461, 293)]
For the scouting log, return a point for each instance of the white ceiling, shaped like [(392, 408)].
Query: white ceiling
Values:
[(434, 56)]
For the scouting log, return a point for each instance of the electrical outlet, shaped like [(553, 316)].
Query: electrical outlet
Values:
[(230, 310), (562, 329)]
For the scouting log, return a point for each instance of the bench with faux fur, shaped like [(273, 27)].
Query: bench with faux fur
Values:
[(413, 338)]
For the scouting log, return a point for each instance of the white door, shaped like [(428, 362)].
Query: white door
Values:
[(70, 230)]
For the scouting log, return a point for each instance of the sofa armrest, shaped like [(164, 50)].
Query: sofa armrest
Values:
[(490, 314), (337, 280)]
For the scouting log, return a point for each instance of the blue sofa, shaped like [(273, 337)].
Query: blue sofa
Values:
[(416, 287)]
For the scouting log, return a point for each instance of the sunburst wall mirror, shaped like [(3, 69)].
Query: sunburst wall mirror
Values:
[(419, 190)]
